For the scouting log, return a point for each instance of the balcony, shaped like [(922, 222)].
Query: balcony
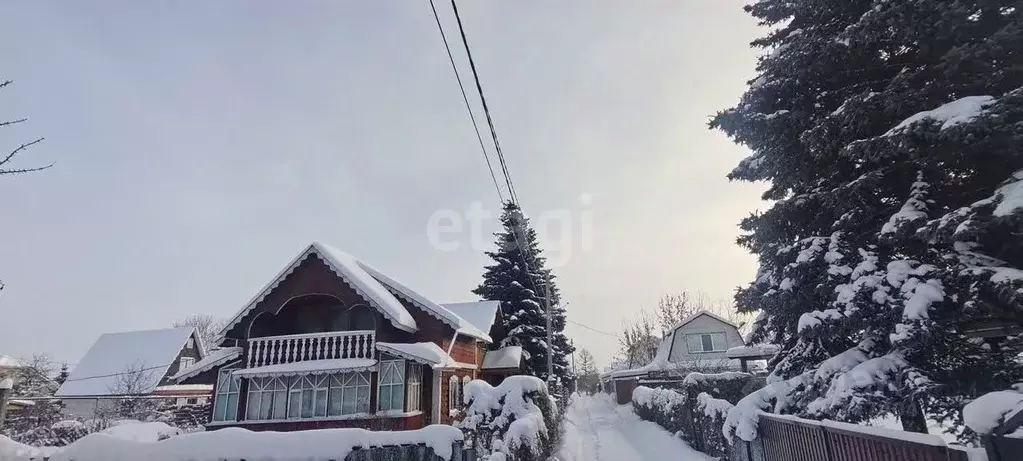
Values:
[(276, 350)]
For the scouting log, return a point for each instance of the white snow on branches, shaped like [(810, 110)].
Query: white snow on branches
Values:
[(1011, 195), (814, 318), (506, 408), (915, 207), (873, 373), (961, 110)]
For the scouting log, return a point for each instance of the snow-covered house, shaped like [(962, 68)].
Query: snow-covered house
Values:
[(698, 343), (332, 342), (132, 364)]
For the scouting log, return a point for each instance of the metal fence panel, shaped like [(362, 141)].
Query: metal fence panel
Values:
[(792, 440)]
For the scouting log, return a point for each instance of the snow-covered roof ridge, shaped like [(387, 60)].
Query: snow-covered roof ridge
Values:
[(350, 271), (437, 310), (367, 285), (148, 353), (704, 312), (212, 359)]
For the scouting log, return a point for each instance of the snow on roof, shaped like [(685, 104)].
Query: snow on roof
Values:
[(756, 350), (660, 361), (480, 314), (505, 357), (440, 312), (148, 352), (704, 312), (352, 272), (428, 353), (307, 367), (183, 388), (7, 361), (212, 359)]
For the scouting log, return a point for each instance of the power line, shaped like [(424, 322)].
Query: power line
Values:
[(591, 328), (130, 372), (486, 109), (465, 98)]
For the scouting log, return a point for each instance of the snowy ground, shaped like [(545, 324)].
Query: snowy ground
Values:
[(597, 429)]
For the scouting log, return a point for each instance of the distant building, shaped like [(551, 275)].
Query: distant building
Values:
[(698, 343), (133, 364)]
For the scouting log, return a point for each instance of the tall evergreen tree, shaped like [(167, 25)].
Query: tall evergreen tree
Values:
[(890, 133), (521, 292)]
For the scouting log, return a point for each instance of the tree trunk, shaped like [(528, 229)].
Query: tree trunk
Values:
[(912, 416)]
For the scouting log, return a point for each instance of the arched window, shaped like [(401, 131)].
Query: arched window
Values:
[(359, 317)]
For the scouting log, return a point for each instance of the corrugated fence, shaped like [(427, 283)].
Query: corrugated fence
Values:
[(784, 438)]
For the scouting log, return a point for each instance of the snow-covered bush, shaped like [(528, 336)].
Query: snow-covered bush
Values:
[(989, 412), (710, 415), (518, 418), (696, 410), (58, 434)]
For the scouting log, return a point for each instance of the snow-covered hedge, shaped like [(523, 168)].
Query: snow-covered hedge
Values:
[(518, 419), (696, 411), (989, 412)]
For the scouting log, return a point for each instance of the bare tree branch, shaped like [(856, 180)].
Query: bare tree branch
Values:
[(206, 326), (10, 156)]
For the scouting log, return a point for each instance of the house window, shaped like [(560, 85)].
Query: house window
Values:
[(706, 342), (190, 344), (454, 396), (192, 401), (226, 406), (307, 397), (349, 394), (267, 398), (415, 387), (185, 362), (392, 385)]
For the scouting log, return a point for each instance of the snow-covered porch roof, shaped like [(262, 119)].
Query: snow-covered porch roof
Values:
[(509, 357), (752, 352), (425, 353)]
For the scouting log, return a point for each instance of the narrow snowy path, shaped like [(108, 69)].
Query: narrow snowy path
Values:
[(598, 429)]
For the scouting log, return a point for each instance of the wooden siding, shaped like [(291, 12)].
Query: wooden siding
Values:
[(312, 276), (173, 369)]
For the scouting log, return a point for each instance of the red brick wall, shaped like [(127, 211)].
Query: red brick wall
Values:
[(445, 382)]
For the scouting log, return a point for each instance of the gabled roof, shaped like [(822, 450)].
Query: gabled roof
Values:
[(437, 310), (381, 291), (349, 270), (707, 313), (480, 314), (148, 353)]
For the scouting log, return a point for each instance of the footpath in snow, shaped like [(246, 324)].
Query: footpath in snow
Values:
[(598, 429)]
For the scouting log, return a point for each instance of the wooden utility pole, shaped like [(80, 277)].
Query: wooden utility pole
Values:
[(6, 385)]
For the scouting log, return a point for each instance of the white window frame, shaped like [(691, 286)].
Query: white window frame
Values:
[(225, 379), (185, 362), (699, 338), (415, 386), (394, 371), (344, 384), (265, 393), (304, 397)]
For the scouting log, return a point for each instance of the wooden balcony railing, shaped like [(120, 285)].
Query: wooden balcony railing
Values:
[(274, 350)]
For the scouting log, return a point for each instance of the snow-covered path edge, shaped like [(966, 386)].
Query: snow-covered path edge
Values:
[(598, 429)]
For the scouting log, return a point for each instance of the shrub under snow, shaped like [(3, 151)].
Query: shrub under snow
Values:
[(517, 419), (985, 414)]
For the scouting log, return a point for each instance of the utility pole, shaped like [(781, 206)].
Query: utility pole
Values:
[(550, 329), (6, 384)]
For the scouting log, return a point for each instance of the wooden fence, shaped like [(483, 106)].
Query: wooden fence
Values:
[(785, 438), (419, 452)]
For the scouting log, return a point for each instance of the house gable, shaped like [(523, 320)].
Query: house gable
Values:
[(702, 323), (334, 273)]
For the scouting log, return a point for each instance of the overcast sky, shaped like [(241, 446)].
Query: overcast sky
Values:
[(201, 145)]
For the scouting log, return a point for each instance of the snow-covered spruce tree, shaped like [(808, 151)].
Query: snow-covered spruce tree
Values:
[(521, 293), (891, 135)]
